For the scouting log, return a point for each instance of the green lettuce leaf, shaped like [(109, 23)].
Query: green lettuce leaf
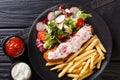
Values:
[(81, 14)]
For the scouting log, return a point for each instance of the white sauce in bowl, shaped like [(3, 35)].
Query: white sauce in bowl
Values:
[(21, 71)]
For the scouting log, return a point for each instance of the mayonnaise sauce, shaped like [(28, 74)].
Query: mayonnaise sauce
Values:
[(73, 44), (21, 71)]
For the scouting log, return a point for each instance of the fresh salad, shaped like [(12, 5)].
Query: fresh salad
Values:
[(59, 25)]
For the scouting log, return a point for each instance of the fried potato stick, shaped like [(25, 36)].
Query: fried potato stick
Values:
[(99, 50), (79, 62), (101, 45), (76, 71), (85, 75), (84, 54), (58, 66), (73, 75), (53, 63), (94, 42), (98, 59), (91, 62), (99, 64), (85, 67), (62, 73)]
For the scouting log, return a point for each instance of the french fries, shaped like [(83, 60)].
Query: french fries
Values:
[(92, 44), (85, 67), (51, 63), (91, 62), (85, 54), (98, 64), (99, 50), (73, 75), (57, 67), (65, 69), (81, 64), (100, 45), (86, 74)]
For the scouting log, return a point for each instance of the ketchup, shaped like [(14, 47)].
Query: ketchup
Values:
[(14, 46)]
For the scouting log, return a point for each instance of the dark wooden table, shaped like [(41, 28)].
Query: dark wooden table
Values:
[(16, 17)]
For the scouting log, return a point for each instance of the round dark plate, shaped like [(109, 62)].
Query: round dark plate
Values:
[(36, 57)]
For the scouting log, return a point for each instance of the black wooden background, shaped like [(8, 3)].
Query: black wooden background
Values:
[(16, 17)]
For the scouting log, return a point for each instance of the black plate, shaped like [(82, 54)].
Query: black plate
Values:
[(36, 57)]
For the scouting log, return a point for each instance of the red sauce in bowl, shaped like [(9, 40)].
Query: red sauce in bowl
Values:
[(14, 46)]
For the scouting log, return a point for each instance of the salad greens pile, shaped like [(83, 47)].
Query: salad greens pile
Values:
[(60, 24)]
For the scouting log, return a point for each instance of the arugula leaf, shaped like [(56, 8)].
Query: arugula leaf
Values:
[(71, 23), (49, 43), (81, 14), (65, 34)]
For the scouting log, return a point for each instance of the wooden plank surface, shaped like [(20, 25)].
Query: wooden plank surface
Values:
[(17, 15)]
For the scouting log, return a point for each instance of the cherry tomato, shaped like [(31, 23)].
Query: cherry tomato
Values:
[(41, 35), (80, 22)]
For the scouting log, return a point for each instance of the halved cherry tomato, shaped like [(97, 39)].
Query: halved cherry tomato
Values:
[(80, 22), (41, 35)]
